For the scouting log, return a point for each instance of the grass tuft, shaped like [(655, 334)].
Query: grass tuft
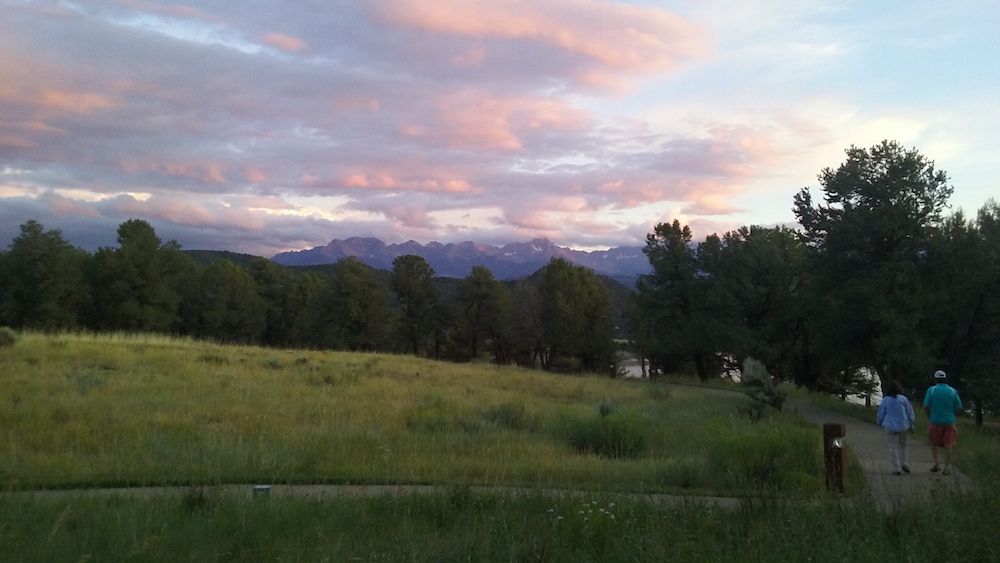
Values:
[(8, 337), (615, 434)]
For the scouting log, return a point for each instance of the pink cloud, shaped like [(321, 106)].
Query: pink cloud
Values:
[(181, 210), (470, 58), (254, 175), (417, 179), (476, 119), (284, 42), (208, 173), (388, 182), (709, 203), (173, 10), (536, 213), (14, 142), (623, 37), (46, 100), (259, 202), (413, 216)]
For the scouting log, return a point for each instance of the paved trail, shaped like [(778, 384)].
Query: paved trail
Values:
[(868, 443)]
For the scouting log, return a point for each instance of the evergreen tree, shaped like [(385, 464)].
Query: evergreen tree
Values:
[(352, 311), (139, 285), (227, 306), (965, 317), (41, 280), (576, 315), (868, 245), (285, 296), (420, 322), (683, 315), (484, 307), (761, 271), (526, 324)]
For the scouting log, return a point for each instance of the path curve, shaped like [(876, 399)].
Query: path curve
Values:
[(868, 442)]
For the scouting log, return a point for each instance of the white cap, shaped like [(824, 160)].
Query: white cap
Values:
[(940, 375)]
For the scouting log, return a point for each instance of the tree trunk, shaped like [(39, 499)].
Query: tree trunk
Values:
[(702, 369)]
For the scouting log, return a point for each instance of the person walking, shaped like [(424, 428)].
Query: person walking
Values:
[(895, 415), (942, 404)]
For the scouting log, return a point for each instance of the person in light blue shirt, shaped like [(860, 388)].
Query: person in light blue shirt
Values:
[(942, 404), (895, 415)]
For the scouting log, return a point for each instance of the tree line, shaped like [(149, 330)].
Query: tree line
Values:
[(559, 318), (877, 280)]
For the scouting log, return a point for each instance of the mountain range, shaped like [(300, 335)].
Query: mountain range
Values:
[(456, 260)]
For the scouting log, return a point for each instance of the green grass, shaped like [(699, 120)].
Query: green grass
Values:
[(80, 410), (83, 410), (464, 526)]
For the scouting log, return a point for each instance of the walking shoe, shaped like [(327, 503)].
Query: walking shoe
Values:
[(935, 469), (896, 473), (946, 471), (906, 469)]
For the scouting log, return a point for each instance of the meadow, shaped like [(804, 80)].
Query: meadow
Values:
[(83, 411), (457, 525)]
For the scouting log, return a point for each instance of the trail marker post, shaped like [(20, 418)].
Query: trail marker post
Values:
[(833, 455)]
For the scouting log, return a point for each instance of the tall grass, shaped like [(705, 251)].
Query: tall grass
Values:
[(84, 410), (465, 526)]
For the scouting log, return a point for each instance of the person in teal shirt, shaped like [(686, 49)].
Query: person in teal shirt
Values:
[(942, 405)]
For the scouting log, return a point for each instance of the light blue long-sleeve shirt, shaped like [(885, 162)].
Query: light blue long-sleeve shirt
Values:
[(895, 414)]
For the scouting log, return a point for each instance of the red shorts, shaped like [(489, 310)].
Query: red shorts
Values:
[(943, 435)]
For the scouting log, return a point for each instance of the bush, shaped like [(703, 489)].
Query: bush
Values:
[(618, 434), (769, 456), (759, 386), (7, 337), (509, 415)]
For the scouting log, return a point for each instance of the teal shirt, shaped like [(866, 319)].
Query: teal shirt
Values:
[(943, 402)]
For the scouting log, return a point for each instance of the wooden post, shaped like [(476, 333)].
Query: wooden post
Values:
[(833, 455)]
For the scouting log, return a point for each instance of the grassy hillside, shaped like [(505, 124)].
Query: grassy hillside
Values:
[(86, 411), (98, 410)]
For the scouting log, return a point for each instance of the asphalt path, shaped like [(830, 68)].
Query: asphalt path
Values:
[(868, 443)]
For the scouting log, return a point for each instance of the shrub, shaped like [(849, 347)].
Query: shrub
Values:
[(7, 337), (619, 434), (769, 456), (759, 386), (508, 415)]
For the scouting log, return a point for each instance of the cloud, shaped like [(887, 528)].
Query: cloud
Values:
[(479, 120), (598, 36), (251, 126), (284, 42)]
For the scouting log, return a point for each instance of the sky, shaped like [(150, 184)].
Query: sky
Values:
[(264, 126)]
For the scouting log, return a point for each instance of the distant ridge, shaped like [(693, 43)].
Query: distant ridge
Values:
[(456, 260)]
